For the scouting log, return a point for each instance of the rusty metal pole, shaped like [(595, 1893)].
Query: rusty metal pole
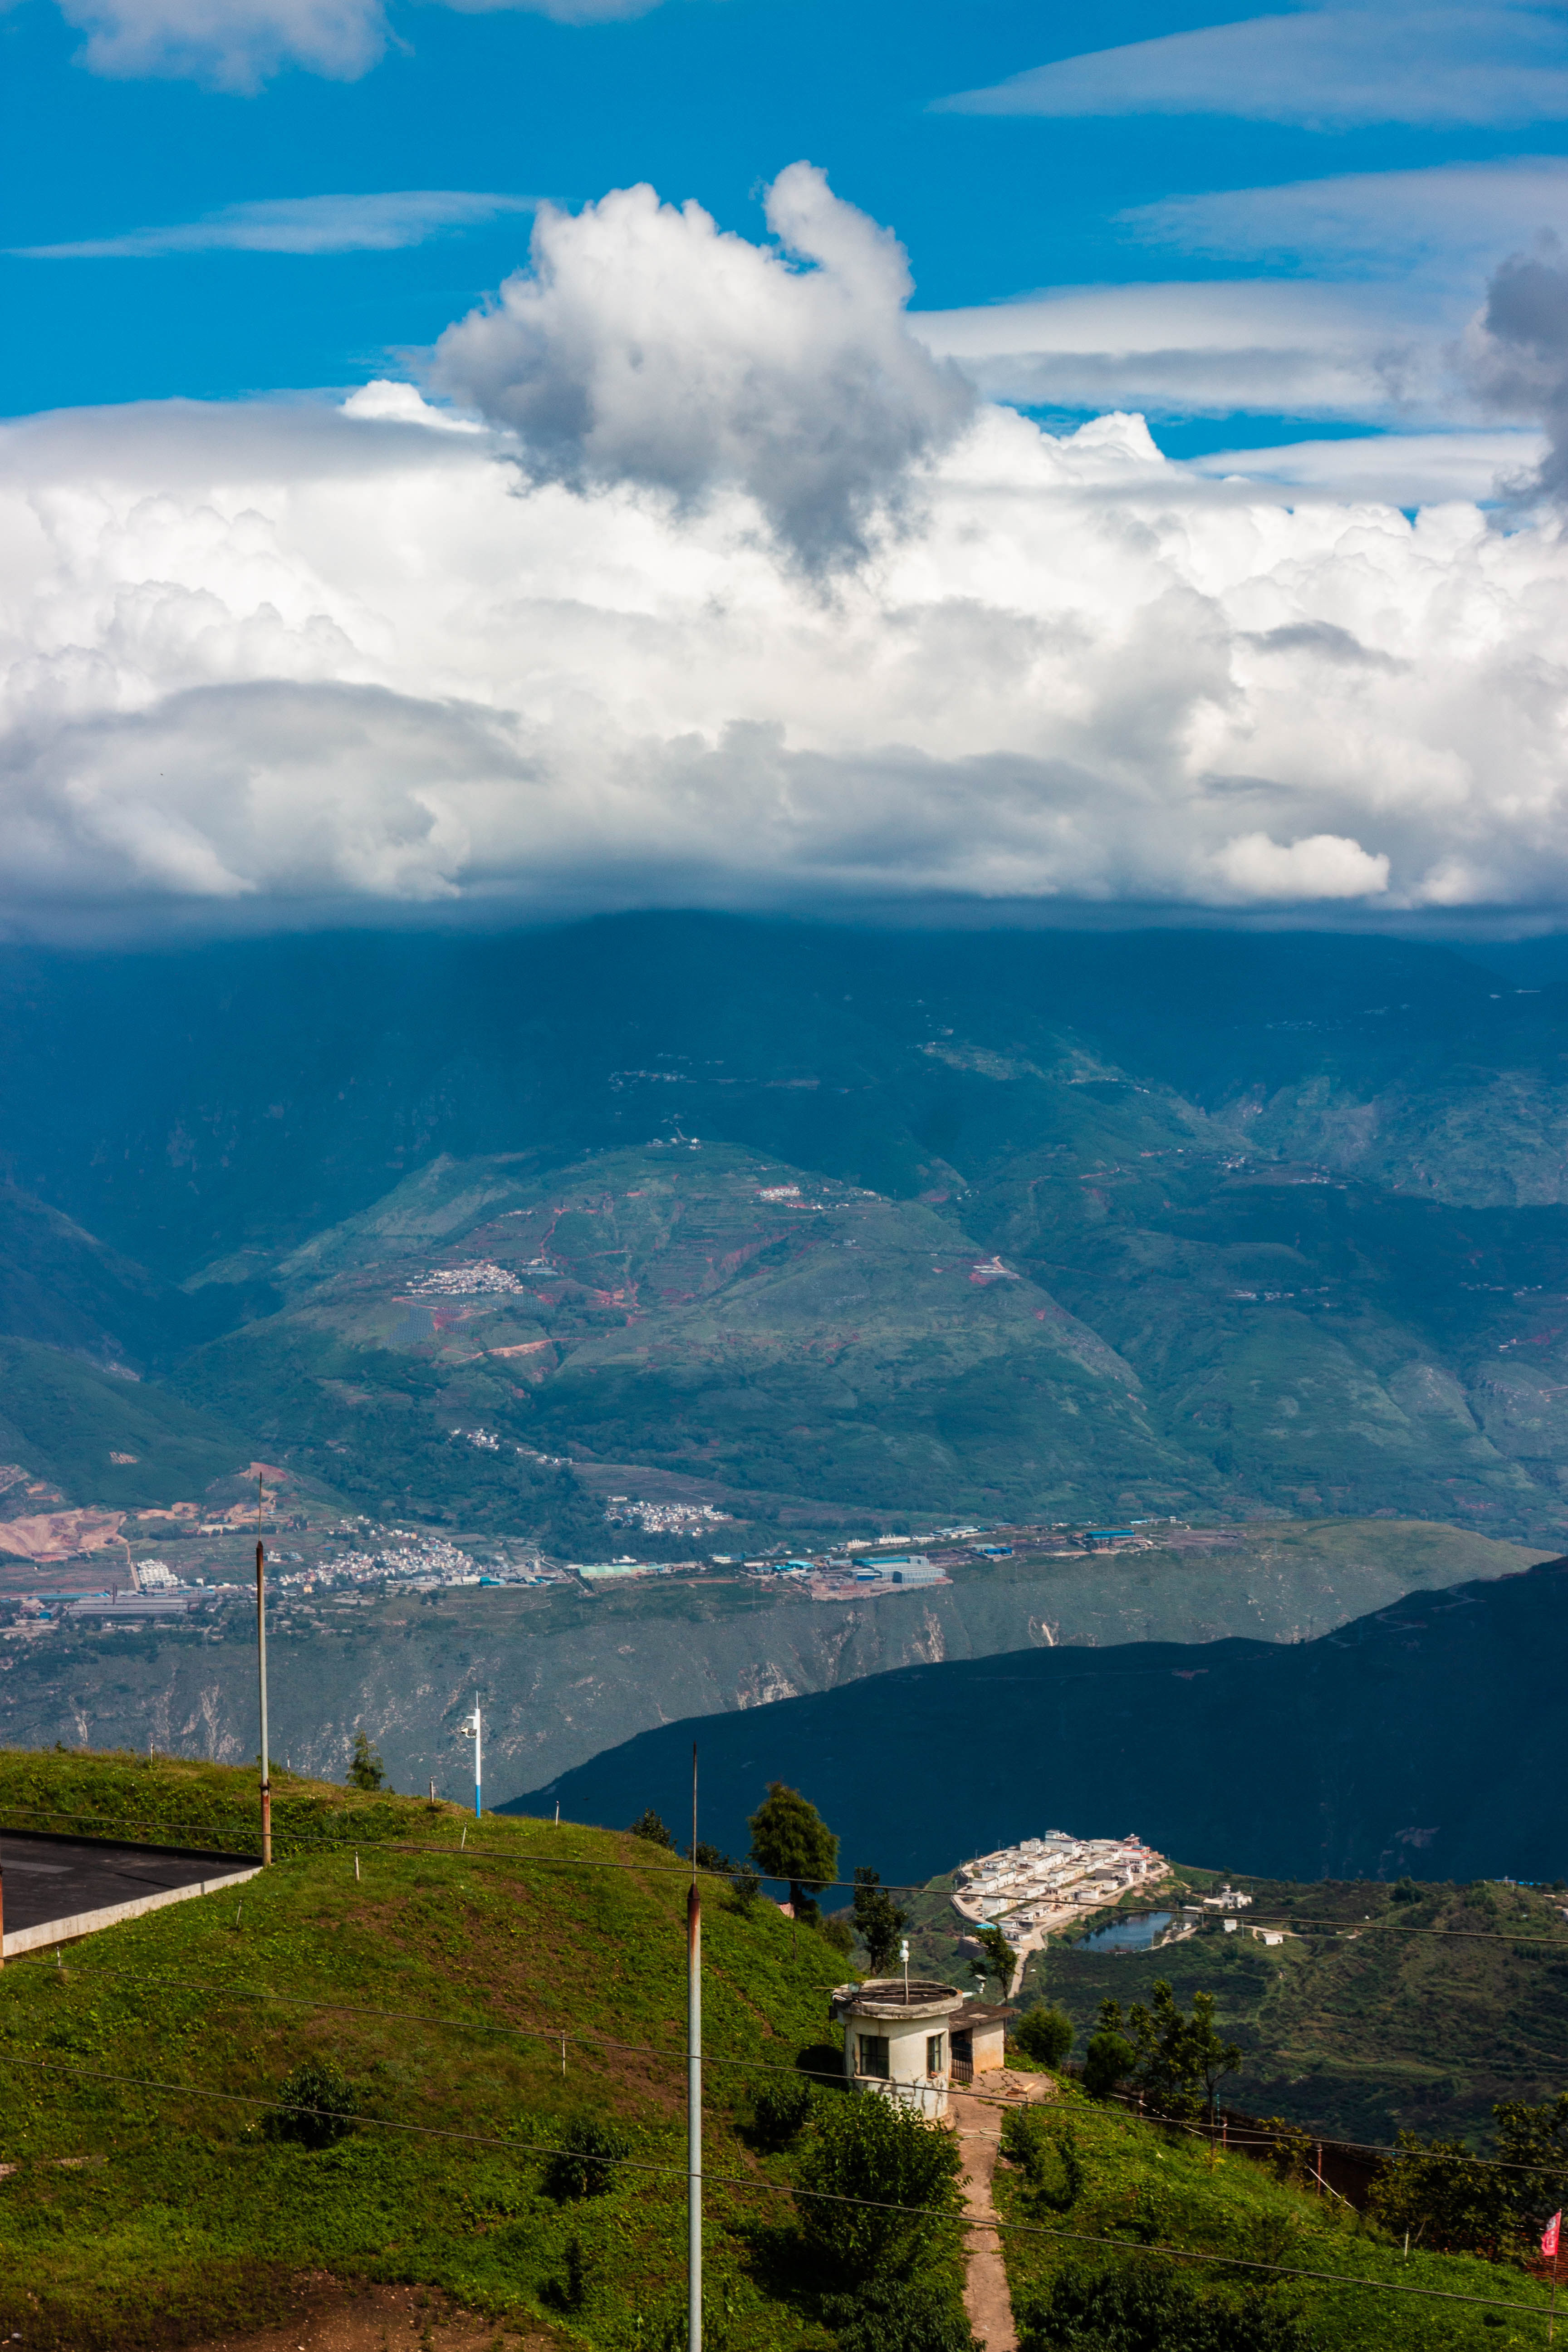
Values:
[(694, 2090), (261, 1677)]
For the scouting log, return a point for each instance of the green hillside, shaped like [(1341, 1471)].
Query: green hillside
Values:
[(1378, 2012), (65, 1420), (1052, 1225), (1117, 1322), (149, 2200)]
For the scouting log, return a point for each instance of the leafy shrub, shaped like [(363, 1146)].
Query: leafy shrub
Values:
[(866, 2147), (316, 2104), (900, 2315), (651, 1830), (1046, 2035), (838, 1933), (1048, 2158), (745, 1886), (1404, 1890), (780, 2109), (1145, 2308), (584, 2163), (1108, 2059)]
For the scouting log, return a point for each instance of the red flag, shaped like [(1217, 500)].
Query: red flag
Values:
[(1549, 2243)]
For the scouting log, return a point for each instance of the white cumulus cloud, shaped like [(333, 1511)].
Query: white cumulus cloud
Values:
[(273, 661), (645, 345)]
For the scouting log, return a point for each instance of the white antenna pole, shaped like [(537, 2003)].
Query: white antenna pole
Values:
[(472, 1729)]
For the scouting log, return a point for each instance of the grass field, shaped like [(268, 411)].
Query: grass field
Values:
[(485, 1986)]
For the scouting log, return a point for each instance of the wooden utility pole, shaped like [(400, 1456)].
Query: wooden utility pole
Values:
[(694, 2091), (262, 1675)]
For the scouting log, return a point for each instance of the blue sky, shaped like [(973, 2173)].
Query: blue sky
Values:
[(710, 99)]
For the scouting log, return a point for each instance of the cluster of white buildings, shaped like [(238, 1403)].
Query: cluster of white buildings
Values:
[(664, 1519), (476, 1280), (422, 1559), (1046, 1883)]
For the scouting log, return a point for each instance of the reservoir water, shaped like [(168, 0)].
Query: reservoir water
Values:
[(1139, 1934)]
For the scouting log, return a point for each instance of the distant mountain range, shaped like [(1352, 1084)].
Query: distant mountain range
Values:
[(1065, 1224), (1423, 1739)]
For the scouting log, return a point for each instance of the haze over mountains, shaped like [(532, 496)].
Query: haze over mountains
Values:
[(1059, 1224)]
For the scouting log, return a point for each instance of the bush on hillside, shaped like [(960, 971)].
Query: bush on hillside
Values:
[(316, 2105), (1146, 2307), (651, 1830), (1046, 2035), (900, 2315), (1108, 2061), (585, 2160), (1048, 2158), (837, 1933), (780, 2109), (869, 2149), (366, 1769)]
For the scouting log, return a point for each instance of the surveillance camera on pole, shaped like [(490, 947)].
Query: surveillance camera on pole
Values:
[(471, 1730)]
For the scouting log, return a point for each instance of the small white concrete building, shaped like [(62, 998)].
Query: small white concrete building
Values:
[(898, 2038)]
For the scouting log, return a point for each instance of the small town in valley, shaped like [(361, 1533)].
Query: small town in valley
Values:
[(1044, 1883)]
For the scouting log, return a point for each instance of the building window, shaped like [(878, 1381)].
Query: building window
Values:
[(873, 2058), (934, 2053)]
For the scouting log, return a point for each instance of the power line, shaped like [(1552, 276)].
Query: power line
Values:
[(783, 2188), (557, 2036), (392, 1842)]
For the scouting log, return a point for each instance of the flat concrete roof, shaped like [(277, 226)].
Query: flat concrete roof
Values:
[(57, 1889)]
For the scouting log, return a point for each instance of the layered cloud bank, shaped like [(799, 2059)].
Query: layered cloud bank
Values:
[(722, 586)]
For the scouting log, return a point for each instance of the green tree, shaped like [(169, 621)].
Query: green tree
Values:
[(900, 2315), (1147, 2308), (1046, 2035), (651, 1830), (1445, 2196), (316, 2105), (365, 1767), (997, 1957), (790, 1839), (584, 2164), (879, 1921), (1181, 2061), (1535, 2140), (904, 2172), (1110, 2057), (780, 2110), (746, 1885)]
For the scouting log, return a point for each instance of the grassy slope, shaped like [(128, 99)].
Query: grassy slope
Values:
[(1163, 2186), (185, 2220), (192, 2201)]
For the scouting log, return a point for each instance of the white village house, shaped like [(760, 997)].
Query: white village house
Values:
[(911, 2042)]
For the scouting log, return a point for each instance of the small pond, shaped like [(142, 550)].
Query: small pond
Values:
[(1139, 1934)]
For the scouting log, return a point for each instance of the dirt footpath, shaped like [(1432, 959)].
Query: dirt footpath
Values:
[(977, 2119), (333, 2317)]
